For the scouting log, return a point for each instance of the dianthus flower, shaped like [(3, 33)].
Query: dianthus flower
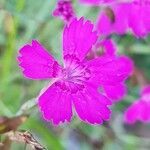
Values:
[(122, 17), (64, 10), (140, 109), (139, 20), (77, 80), (113, 19)]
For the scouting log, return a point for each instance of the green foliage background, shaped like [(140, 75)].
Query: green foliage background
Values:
[(24, 20)]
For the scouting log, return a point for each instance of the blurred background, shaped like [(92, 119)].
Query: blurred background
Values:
[(24, 20)]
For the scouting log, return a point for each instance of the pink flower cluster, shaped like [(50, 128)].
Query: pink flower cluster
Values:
[(64, 10), (122, 17), (76, 82), (140, 109)]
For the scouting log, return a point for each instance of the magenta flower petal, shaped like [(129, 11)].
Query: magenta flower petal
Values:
[(104, 24), (145, 112), (75, 41), (138, 15), (145, 90), (91, 106), (117, 22), (110, 70), (146, 19), (121, 12), (36, 62), (140, 109), (136, 22), (55, 105), (115, 92), (103, 47), (108, 46), (132, 113)]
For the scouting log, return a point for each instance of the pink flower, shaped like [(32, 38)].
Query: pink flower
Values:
[(122, 17), (64, 10), (139, 21), (113, 19), (140, 109), (77, 80)]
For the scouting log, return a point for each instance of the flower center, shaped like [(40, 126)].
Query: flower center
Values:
[(74, 75)]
